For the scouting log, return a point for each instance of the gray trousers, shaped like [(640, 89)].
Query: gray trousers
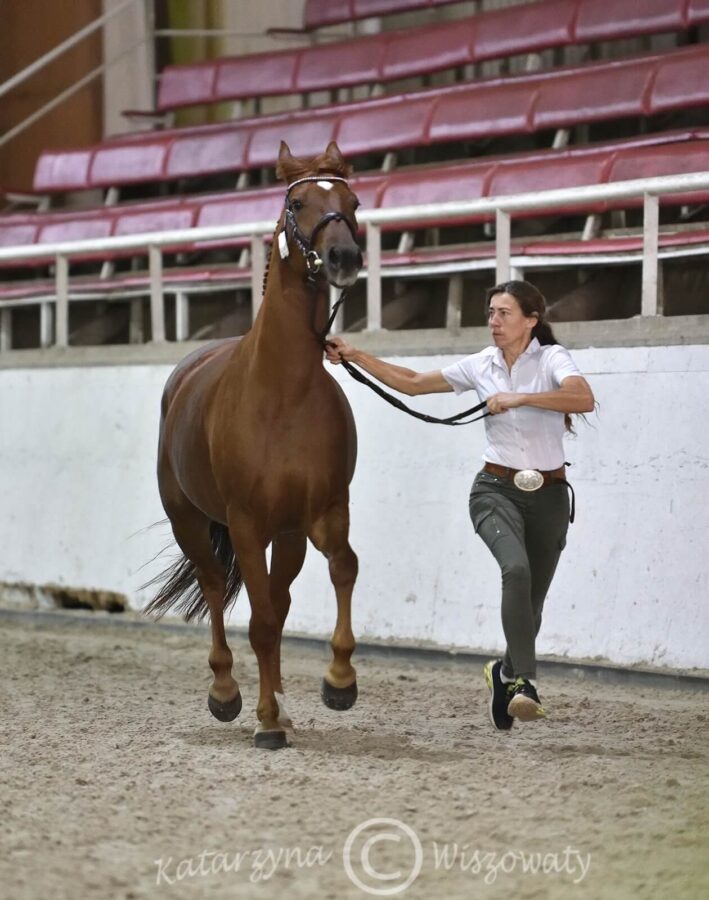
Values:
[(525, 532)]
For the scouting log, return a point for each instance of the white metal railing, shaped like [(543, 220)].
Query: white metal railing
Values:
[(503, 208)]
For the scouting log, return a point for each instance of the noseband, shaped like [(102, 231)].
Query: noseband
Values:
[(305, 244)]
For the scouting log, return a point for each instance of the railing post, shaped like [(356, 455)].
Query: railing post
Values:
[(258, 271), (61, 280), (503, 246), (136, 331), (374, 277), (182, 316), (46, 324), (157, 302), (5, 329), (454, 305), (651, 223), (339, 315)]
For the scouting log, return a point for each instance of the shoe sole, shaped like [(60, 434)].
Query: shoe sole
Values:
[(525, 709), (487, 671)]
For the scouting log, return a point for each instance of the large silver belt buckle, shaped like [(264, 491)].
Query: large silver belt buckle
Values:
[(528, 479)]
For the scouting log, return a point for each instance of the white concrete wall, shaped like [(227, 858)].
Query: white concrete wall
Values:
[(78, 492)]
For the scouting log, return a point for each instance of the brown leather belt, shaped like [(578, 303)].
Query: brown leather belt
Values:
[(550, 477)]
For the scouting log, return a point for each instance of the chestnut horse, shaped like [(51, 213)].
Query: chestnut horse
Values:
[(257, 448)]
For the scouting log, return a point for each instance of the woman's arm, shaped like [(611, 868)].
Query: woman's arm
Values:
[(573, 396), (399, 378)]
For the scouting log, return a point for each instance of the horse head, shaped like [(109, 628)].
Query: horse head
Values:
[(319, 216)]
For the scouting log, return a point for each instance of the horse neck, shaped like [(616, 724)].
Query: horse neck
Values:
[(292, 314)]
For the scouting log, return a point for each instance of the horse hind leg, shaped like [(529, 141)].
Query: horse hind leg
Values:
[(330, 536), (287, 556), (194, 533)]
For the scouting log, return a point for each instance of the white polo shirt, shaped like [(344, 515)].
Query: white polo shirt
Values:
[(523, 438)]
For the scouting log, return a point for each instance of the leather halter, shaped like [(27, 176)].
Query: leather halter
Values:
[(313, 260)]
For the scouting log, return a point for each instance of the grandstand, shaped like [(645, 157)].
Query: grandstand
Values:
[(433, 103)]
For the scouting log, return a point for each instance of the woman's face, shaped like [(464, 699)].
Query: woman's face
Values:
[(508, 324)]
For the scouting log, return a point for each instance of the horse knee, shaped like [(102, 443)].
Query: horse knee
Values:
[(264, 632)]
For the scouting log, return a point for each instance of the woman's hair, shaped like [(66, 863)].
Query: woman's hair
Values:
[(532, 303)]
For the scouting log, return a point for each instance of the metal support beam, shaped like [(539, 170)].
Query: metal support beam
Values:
[(157, 301), (503, 245), (374, 277), (61, 280), (651, 223)]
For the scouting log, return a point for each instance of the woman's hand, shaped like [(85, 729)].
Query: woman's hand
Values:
[(499, 403), (336, 350)]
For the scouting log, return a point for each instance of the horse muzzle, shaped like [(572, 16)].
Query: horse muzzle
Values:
[(341, 264)]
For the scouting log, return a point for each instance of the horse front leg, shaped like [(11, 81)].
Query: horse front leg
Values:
[(264, 628), (287, 556), (330, 535)]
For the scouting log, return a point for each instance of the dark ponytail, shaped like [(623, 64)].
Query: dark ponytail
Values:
[(532, 303)]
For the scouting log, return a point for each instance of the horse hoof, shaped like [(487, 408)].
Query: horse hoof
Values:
[(270, 740), (225, 712), (338, 698)]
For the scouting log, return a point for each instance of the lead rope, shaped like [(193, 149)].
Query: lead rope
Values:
[(457, 419)]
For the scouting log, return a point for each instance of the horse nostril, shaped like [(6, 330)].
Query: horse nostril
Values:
[(334, 256)]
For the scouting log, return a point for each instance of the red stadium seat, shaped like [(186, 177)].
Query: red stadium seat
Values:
[(212, 151), (76, 228), (598, 22), (681, 81), (142, 221), (258, 75), (128, 163), (418, 51), (641, 86), (383, 125), (319, 13), (18, 233), (595, 93), (350, 63), (524, 28), (62, 170), (697, 12), (187, 85)]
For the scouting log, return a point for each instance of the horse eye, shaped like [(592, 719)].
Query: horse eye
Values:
[(297, 205)]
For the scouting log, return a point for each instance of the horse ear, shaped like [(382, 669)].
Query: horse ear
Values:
[(334, 155), (285, 162)]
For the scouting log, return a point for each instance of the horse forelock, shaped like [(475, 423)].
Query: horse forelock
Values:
[(324, 164)]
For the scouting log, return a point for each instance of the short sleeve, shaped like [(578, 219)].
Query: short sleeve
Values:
[(561, 365), (461, 375)]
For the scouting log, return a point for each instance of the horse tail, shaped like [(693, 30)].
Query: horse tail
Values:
[(179, 588)]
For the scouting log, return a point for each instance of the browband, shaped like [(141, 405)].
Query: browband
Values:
[(314, 178)]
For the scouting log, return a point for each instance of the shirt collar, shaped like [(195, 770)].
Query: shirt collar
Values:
[(533, 347)]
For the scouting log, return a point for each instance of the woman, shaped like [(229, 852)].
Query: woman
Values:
[(519, 503)]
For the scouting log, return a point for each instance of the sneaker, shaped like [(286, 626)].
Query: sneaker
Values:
[(525, 704), (499, 696)]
